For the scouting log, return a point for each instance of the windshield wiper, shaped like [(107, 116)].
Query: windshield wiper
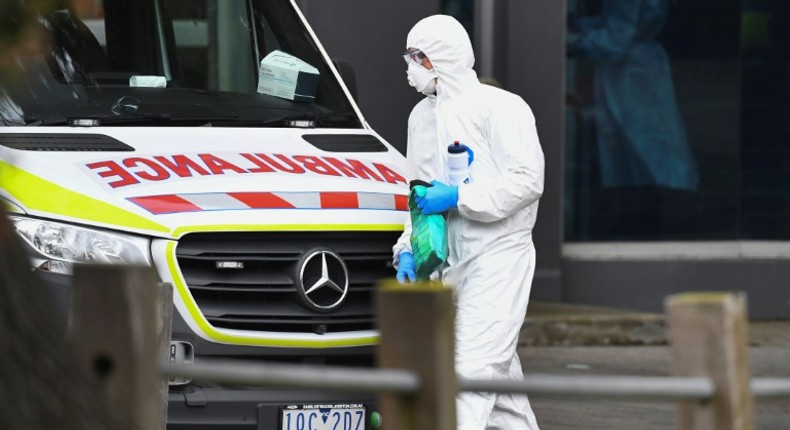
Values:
[(301, 120), (94, 120), (310, 120), (147, 119)]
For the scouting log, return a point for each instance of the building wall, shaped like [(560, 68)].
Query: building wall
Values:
[(644, 284), (535, 69), (371, 36)]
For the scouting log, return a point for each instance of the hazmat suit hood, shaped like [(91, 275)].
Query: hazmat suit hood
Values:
[(445, 41)]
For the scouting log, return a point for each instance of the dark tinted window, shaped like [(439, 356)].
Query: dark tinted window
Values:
[(205, 53), (677, 120)]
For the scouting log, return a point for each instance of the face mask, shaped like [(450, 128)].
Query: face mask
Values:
[(422, 79)]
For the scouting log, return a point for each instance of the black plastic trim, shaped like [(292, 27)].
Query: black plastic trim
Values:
[(262, 295), (63, 142), (345, 142), (240, 408)]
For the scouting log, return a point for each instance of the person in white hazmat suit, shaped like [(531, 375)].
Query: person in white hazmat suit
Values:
[(491, 258)]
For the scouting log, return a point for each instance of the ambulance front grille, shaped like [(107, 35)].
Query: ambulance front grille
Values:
[(262, 295)]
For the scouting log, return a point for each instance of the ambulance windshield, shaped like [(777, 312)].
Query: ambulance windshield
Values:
[(170, 62)]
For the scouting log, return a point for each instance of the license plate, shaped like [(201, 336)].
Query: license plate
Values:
[(347, 416)]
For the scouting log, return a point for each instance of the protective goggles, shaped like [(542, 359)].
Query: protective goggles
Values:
[(417, 56)]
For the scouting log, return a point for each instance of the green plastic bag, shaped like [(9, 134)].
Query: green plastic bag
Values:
[(428, 235)]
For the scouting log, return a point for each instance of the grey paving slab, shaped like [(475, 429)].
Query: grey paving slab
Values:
[(554, 414)]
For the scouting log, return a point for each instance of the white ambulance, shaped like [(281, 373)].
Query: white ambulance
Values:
[(143, 134)]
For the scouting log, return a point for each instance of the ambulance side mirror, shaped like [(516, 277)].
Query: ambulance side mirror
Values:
[(348, 76)]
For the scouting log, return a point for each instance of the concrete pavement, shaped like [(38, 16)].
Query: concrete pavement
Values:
[(560, 414), (580, 340), (560, 324)]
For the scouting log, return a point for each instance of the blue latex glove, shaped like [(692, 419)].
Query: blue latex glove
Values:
[(406, 267), (438, 198)]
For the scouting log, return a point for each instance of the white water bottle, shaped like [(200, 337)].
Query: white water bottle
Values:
[(458, 163)]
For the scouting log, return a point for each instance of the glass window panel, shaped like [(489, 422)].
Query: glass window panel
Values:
[(653, 120), (205, 54), (765, 135)]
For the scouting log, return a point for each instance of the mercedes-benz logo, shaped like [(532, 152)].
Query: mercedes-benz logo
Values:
[(323, 280)]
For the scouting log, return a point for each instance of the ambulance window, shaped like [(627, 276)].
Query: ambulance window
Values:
[(167, 59), (214, 44)]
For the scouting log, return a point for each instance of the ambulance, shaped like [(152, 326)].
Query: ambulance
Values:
[(163, 133)]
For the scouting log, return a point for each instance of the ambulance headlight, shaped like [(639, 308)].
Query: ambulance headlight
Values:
[(57, 246)]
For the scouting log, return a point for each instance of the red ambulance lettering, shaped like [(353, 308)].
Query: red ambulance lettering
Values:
[(315, 164), (262, 167), (182, 166), (354, 168), (158, 173), (218, 165), (113, 169), (388, 174), (292, 167)]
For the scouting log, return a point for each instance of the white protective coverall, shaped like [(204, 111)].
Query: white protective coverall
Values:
[(491, 257)]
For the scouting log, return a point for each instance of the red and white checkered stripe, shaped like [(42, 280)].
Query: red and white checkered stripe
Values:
[(197, 202)]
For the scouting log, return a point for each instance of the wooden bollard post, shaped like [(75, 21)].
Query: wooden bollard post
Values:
[(417, 333), (708, 335), (115, 324), (164, 329), (43, 387)]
